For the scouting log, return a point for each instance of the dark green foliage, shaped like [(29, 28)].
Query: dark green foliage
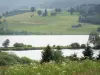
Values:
[(32, 9), (7, 59), (52, 55), (98, 57), (88, 53), (39, 12), (11, 59), (6, 43), (58, 55), (83, 46), (3, 62), (25, 60), (58, 47), (75, 45), (47, 54), (94, 38), (18, 45), (45, 13)]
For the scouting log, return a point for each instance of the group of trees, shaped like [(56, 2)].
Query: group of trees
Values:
[(77, 46), (45, 12), (50, 54), (6, 43), (90, 13)]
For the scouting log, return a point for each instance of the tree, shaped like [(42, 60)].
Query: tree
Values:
[(83, 46), (18, 45), (88, 52), (6, 43), (98, 57), (47, 54), (75, 45), (39, 12), (94, 38), (58, 55), (45, 13), (32, 9)]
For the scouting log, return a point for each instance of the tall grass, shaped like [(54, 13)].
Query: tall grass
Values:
[(87, 67)]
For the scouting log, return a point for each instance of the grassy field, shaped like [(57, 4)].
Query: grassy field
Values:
[(86, 67), (60, 24)]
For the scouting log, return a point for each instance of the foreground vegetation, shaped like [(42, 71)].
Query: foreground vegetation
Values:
[(86, 67)]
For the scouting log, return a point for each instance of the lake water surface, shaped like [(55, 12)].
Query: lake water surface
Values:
[(44, 40), (36, 54)]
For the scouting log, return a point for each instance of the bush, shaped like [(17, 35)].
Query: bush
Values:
[(39, 12), (98, 57), (26, 60), (6, 43), (75, 45), (83, 46), (9, 60), (18, 45), (58, 55), (3, 62)]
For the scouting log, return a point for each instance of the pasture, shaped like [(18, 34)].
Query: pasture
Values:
[(61, 24)]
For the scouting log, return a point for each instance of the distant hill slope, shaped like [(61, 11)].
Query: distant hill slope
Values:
[(69, 3)]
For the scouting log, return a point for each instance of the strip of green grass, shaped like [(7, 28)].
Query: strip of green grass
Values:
[(86, 67)]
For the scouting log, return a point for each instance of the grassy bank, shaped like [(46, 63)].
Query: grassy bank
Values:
[(60, 24), (86, 67)]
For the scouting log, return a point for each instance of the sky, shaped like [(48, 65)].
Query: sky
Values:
[(13, 4)]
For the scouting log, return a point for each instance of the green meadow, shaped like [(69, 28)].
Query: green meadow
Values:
[(56, 25), (87, 67)]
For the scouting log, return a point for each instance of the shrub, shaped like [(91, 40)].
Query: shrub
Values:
[(98, 57), (18, 45), (75, 45), (47, 54), (39, 12), (83, 46), (25, 60), (88, 53), (6, 43), (3, 62)]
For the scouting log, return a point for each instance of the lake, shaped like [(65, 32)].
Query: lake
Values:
[(44, 40), (36, 54)]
